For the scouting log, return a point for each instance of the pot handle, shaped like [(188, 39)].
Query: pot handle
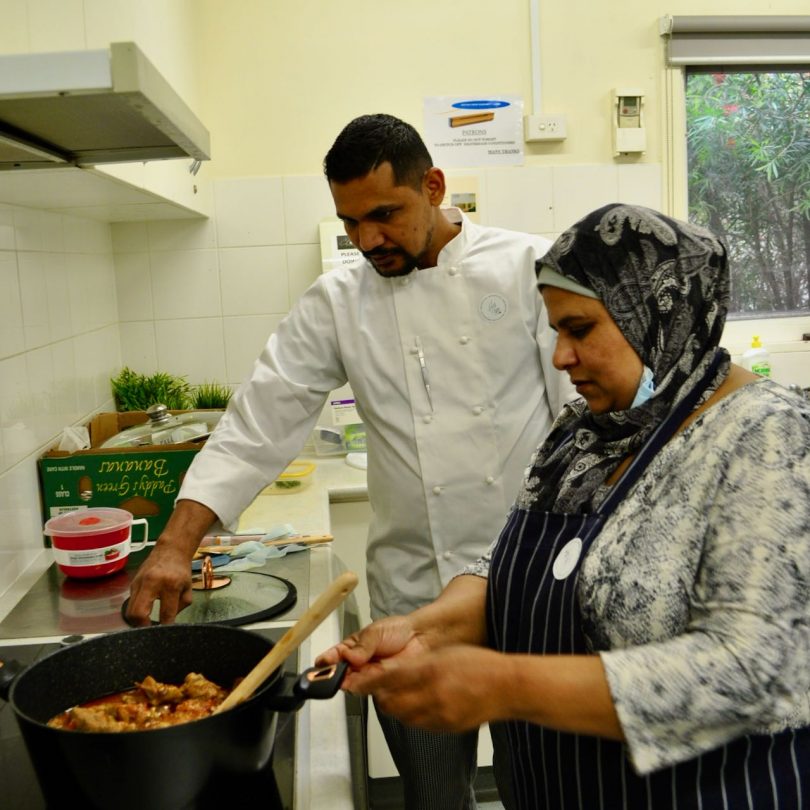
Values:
[(315, 683), (321, 683), (146, 541), (9, 670)]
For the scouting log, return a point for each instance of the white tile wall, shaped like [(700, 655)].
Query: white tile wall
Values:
[(225, 283), (59, 346), (254, 280)]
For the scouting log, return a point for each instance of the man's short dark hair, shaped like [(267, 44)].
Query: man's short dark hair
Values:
[(370, 140)]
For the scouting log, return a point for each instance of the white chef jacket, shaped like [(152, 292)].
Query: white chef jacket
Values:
[(441, 477)]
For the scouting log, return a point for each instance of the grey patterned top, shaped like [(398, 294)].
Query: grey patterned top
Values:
[(697, 590)]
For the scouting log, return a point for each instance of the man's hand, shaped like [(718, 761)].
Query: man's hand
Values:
[(166, 572), (164, 575)]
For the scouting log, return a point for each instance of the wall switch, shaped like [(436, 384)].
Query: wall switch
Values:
[(544, 128)]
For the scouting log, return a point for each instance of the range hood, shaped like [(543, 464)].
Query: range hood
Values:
[(85, 108)]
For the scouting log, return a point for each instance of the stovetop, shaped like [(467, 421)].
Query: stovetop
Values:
[(58, 606), (272, 788)]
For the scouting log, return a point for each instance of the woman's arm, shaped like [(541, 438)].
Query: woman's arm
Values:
[(455, 617), (432, 669), (460, 687), (698, 587)]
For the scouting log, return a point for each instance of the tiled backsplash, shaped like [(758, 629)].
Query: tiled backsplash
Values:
[(79, 298), (200, 297), (59, 344)]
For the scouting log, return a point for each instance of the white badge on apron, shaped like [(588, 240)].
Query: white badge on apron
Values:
[(567, 559)]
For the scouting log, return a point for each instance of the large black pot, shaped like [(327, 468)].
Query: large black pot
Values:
[(160, 769)]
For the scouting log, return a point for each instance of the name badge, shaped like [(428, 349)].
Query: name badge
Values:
[(567, 559)]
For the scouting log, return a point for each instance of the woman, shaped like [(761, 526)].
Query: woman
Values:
[(647, 606)]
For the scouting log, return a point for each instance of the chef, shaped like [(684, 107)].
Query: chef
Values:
[(443, 338)]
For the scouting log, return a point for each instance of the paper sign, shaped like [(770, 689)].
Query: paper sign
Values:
[(474, 131), (344, 412), (336, 248)]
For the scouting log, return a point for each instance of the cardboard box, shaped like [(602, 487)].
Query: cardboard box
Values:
[(142, 480)]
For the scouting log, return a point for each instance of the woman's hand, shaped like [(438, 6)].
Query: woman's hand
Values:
[(451, 689), (364, 650)]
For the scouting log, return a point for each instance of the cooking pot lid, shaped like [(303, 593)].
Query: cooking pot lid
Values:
[(251, 596)]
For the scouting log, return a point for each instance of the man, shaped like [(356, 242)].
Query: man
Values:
[(449, 356)]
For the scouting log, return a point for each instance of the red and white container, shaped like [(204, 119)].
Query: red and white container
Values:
[(94, 542)]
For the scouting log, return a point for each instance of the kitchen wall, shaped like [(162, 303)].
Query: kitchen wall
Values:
[(200, 297), (275, 82), (59, 343)]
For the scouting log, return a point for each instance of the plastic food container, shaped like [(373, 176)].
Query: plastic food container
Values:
[(94, 542), (294, 479)]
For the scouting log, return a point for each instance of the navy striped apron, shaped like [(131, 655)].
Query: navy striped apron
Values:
[(532, 608)]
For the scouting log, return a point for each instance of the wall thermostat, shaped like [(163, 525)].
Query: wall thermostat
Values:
[(628, 121)]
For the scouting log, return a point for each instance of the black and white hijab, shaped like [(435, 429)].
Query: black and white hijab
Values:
[(666, 285)]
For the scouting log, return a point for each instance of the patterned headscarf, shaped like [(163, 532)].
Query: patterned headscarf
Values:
[(666, 285)]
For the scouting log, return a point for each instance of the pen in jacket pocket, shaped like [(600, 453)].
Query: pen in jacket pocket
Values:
[(423, 368)]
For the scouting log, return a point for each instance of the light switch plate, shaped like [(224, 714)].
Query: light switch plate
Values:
[(544, 128)]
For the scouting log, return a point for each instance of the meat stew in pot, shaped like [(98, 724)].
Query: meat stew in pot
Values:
[(151, 704)]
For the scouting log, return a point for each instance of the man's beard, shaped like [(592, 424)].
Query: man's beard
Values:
[(409, 263)]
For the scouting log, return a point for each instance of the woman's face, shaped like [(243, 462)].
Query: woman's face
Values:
[(602, 365)]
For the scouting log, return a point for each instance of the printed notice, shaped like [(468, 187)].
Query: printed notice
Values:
[(472, 131), (336, 248)]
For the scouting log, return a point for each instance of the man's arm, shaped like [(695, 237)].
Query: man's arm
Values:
[(166, 572)]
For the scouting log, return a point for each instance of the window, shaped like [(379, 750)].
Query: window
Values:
[(748, 152), (738, 90)]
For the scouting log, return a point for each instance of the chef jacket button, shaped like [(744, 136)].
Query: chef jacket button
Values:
[(437, 490), (477, 410), (453, 271), (414, 350), (489, 479), (427, 418), (405, 281), (464, 340), (447, 555)]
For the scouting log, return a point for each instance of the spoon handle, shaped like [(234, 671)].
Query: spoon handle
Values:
[(334, 594)]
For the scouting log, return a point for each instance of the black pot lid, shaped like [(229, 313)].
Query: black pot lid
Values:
[(250, 596)]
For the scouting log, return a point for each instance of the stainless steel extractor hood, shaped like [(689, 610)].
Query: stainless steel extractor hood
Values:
[(84, 108)]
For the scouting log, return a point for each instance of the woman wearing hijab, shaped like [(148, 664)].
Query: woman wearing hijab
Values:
[(642, 624)]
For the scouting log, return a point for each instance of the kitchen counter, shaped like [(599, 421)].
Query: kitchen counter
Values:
[(36, 610)]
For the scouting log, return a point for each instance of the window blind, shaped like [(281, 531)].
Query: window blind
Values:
[(737, 40)]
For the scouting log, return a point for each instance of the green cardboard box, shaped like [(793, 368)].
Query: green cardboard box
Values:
[(143, 480)]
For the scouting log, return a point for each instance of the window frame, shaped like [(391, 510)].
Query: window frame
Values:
[(779, 332)]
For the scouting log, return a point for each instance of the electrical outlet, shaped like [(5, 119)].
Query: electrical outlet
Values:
[(544, 128)]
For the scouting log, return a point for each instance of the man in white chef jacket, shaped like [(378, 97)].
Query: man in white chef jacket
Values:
[(442, 335)]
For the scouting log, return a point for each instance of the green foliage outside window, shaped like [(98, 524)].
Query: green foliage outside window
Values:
[(748, 137)]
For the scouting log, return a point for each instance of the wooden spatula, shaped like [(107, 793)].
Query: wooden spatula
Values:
[(337, 591)]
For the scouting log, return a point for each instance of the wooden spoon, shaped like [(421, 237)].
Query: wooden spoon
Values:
[(337, 591)]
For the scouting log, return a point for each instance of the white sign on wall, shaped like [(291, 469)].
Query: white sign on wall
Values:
[(474, 131), (336, 248)]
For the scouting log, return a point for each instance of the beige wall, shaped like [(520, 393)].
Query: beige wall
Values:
[(279, 79)]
